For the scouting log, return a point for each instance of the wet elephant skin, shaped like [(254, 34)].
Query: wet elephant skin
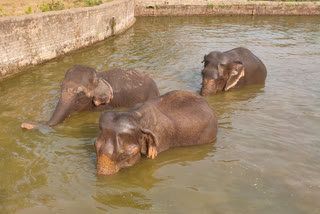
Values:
[(231, 69), (174, 119), (85, 89)]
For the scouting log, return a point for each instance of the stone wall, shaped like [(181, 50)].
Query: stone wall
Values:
[(187, 2), (32, 39), (223, 7)]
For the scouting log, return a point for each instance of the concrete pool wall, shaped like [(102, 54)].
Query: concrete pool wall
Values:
[(226, 8), (32, 39)]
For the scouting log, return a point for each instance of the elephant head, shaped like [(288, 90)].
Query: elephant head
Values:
[(80, 88), (220, 76), (121, 142)]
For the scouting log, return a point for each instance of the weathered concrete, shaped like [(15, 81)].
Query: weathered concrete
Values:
[(147, 3), (220, 7), (32, 39)]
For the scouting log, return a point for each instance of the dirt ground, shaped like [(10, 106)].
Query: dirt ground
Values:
[(22, 7)]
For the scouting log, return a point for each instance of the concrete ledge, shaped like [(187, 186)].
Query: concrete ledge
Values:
[(147, 3), (32, 39), (229, 9)]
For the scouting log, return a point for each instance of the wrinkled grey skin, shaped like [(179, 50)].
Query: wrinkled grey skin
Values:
[(174, 119), (84, 89), (231, 69)]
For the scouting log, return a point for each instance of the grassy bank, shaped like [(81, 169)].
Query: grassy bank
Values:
[(288, 0), (22, 7)]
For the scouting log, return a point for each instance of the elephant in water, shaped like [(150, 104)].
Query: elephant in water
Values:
[(231, 69), (85, 89), (174, 119)]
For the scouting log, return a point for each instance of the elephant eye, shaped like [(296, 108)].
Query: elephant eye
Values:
[(123, 156), (80, 92)]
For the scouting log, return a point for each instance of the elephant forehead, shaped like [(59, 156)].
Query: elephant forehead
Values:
[(72, 87), (118, 123), (80, 71), (86, 80), (210, 72), (124, 126), (218, 57), (76, 82)]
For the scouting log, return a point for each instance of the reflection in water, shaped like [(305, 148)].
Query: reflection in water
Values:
[(228, 104), (124, 188), (265, 159), (124, 199)]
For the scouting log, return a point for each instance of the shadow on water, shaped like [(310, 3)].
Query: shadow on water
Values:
[(226, 104), (3, 195), (129, 187)]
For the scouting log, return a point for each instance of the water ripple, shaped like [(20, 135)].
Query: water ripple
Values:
[(265, 159)]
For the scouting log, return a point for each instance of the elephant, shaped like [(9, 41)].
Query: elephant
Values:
[(174, 119), (85, 89), (231, 69)]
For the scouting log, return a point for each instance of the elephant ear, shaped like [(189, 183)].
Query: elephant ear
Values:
[(148, 143), (205, 60), (223, 70), (103, 93), (237, 71)]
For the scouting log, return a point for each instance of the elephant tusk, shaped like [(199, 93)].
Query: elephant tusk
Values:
[(152, 152)]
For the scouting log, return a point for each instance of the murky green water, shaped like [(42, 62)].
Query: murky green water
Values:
[(267, 155)]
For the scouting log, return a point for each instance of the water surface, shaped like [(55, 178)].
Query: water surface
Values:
[(266, 157)]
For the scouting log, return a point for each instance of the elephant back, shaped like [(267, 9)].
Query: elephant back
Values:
[(129, 86)]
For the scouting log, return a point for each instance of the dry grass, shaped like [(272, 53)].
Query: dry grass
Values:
[(22, 7)]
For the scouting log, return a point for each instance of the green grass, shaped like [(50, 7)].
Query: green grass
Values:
[(245, 5), (224, 5), (29, 10), (288, 0), (293, 5), (21, 7), (210, 6), (91, 3), (54, 5), (2, 13)]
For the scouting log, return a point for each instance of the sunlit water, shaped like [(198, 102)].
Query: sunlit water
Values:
[(267, 155)]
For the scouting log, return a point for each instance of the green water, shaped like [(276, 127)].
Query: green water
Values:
[(266, 157)]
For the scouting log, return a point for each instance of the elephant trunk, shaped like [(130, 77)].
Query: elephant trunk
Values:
[(208, 89), (106, 166), (64, 108)]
